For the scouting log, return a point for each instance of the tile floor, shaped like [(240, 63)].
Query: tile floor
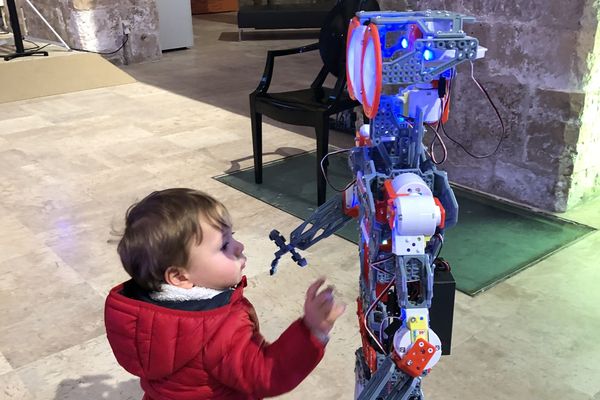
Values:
[(71, 164)]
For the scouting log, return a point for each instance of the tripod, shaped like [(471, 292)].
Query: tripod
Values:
[(18, 37)]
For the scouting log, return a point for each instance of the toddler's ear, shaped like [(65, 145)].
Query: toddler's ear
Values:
[(177, 276)]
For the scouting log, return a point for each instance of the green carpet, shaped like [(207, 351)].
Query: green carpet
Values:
[(492, 240)]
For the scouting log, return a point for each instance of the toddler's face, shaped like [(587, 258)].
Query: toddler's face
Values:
[(218, 261)]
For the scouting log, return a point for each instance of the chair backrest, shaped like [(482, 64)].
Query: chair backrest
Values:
[(332, 38)]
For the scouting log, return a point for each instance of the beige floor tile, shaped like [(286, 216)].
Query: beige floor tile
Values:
[(568, 277), (177, 122), (587, 213), (60, 109), (72, 315), (84, 371), (84, 141), (145, 149), (33, 270), (136, 90), (110, 185), (4, 365), (204, 137), (93, 254), (20, 124), (14, 159), (18, 240), (13, 110), (478, 369), (13, 388), (4, 145), (56, 316), (46, 195), (78, 167)]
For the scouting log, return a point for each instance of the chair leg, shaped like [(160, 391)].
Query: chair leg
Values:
[(322, 132), (256, 143)]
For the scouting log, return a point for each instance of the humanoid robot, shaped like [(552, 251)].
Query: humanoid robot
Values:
[(400, 66)]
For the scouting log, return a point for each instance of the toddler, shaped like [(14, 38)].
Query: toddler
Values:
[(182, 323)]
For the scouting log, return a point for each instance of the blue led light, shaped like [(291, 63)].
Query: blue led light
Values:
[(428, 55), (404, 43)]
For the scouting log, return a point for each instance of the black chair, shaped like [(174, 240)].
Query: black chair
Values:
[(283, 16), (312, 106)]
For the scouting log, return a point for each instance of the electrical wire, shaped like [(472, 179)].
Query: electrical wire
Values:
[(387, 319), (325, 174), (444, 149), (105, 53), (480, 86), (437, 137), (371, 307), (37, 46), (445, 102), (373, 265), (441, 239)]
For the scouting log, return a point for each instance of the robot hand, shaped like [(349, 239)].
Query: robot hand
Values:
[(284, 248)]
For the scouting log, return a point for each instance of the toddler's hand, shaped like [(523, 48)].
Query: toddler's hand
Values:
[(321, 310)]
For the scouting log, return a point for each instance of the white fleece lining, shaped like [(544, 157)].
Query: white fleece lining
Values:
[(173, 293)]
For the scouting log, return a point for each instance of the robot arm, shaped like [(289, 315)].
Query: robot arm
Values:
[(401, 389), (326, 220)]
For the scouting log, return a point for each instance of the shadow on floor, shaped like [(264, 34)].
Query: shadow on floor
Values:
[(226, 18), (222, 71), (96, 387), (282, 152)]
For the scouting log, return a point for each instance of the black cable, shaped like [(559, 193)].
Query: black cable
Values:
[(441, 238), (105, 53), (325, 175), (37, 46), (43, 47), (480, 86)]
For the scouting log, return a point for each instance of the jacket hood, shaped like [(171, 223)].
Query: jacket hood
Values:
[(153, 342)]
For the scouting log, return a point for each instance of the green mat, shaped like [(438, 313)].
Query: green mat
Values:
[(492, 240)]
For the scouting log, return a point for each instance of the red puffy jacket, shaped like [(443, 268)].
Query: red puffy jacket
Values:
[(213, 354)]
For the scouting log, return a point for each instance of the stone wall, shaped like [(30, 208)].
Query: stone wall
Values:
[(586, 169), (97, 25), (538, 71)]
